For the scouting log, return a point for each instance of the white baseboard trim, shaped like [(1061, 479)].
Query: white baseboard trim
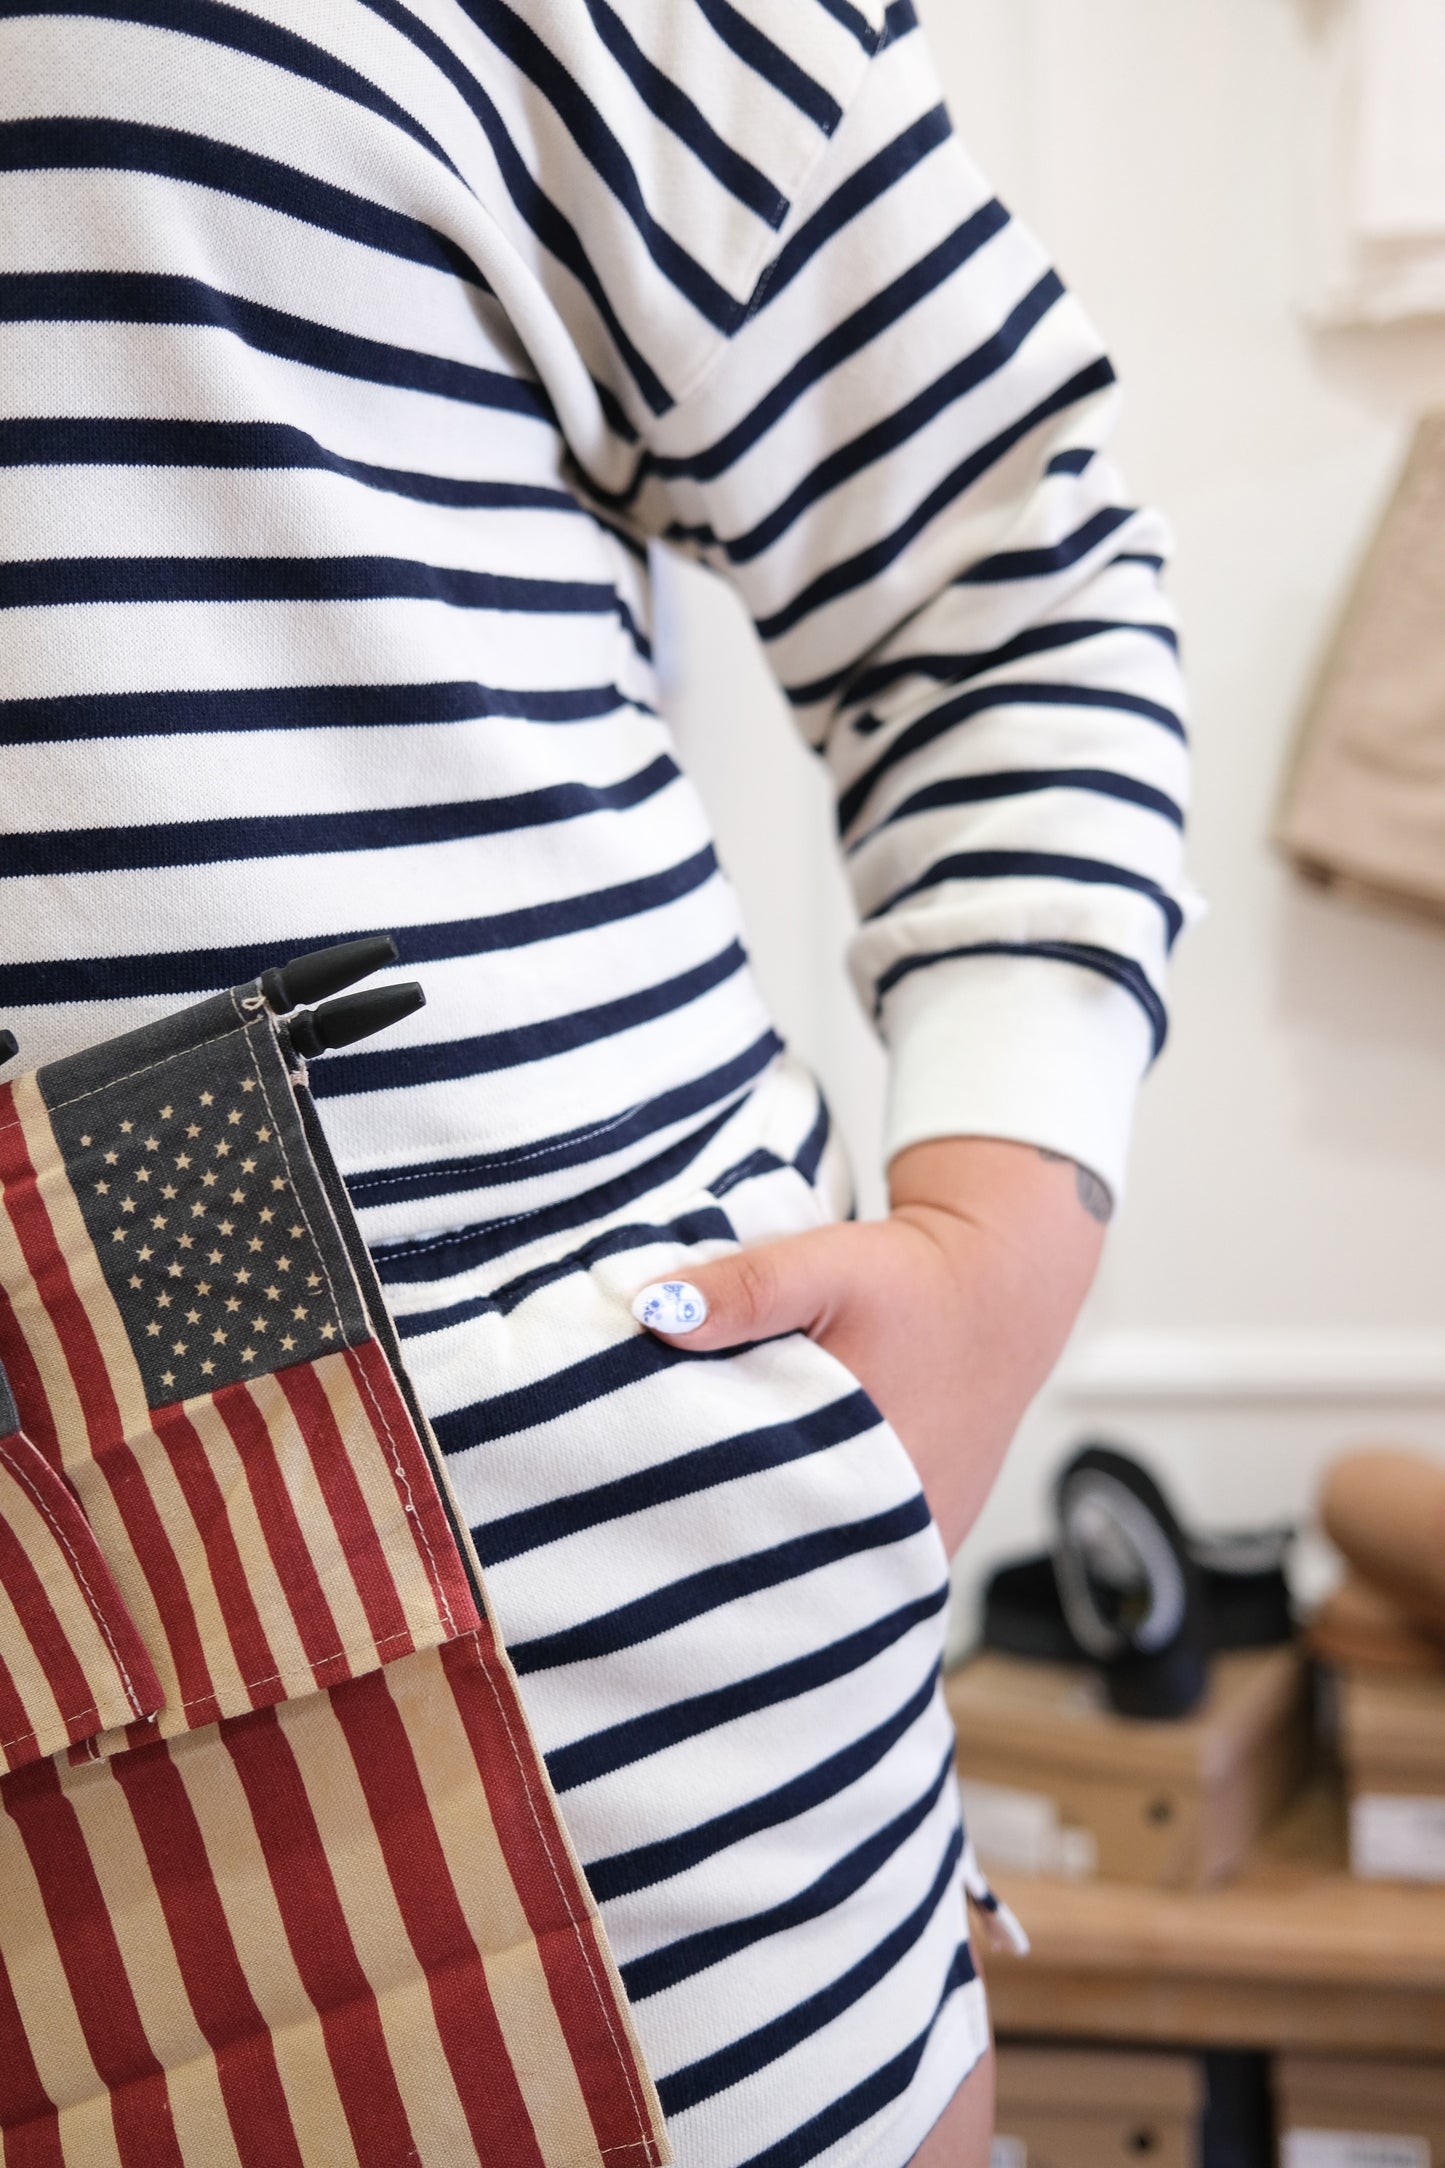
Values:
[(1361, 1365)]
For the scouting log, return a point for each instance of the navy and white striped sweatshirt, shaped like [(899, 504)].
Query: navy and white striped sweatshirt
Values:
[(351, 357)]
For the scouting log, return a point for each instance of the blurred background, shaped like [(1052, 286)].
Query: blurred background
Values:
[(1274, 1288)]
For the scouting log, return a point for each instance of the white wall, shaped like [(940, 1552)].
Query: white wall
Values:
[(1276, 1285)]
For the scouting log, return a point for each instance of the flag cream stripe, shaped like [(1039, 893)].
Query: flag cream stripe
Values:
[(30, 1345), (242, 1881), (418, 1486), (35, 2127), (294, 1513), (355, 1857), (432, 1920), (90, 1954), (36, 1721), (462, 1816), (339, 1460), (400, 1493), (132, 1902), (243, 2054), (47, 2008), (209, 1471)]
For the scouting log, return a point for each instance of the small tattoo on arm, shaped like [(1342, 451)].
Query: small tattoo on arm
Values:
[(1092, 1193)]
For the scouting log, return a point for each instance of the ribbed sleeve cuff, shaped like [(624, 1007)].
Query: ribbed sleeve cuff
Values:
[(1024, 1048)]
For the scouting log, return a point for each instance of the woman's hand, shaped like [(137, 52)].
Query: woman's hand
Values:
[(951, 1312)]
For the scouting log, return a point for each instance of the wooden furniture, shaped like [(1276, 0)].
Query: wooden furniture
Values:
[(1292, 1954), (1082, 2108)]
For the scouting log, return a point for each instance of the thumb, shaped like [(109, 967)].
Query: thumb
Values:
[(789, 1285)]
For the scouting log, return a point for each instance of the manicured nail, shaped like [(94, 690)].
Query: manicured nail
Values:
[(671, 1306)]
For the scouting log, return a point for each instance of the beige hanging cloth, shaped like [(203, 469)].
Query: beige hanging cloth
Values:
[(1365, 800)]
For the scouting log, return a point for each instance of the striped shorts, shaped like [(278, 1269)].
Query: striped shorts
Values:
[(725, 1597)]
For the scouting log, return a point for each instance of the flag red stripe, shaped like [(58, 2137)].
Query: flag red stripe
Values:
[(416, 1486), (86, 1363), (52, 1645), (27, 1385), (27, 2116), (17, 1722), (220, 1995), (346, 1503), (549, 1887), (320, 1940), (86, 1943), (472, 2038), (203, 1494), (290, 1552)]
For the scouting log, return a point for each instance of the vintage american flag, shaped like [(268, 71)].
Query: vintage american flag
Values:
[(282, 1883)]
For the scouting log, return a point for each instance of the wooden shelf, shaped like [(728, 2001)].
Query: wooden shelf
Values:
[(1292, 1953)]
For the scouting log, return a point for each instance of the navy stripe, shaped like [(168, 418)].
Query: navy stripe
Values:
[(119, 146), (687, 121), (1038, 564), (856, 331), (553, 229), (868, 564), (1036, 865), (1018, 782), (854, 21), (744, 2057), (203, 843), (768, 60), (872, 180), (1007, 693), (163, 297), (873, 444), (809, 1154), (698, 1593), (1138, 557), (1110, 965), (574, 1148), (617, 1746), (705, 1225), (956, 669), (211, 970), (115, 441), (648, 1864), (869, 2098), (691, 1954), (54, 582), (483, 1054), (1072, 462), (241, 32), (899, 17), (606, 156), (730, 1460), (439, 1257), (67, 717)]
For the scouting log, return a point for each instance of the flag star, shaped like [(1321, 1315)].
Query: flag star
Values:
[(127, 1204), (295, 1233), (198, 1209), (203, 1287), (233, 1302), (184, 1242), (213, 1257), (328, 1332), (242, 1277), (193, 1129), (263, 1135), (120, 1234), (193, 1317), (112, 1159), (183, 1159), (265, 1215), (144, 1252), (208, 1099), (300, 1310), (168, 1189), (159, 1220), (219, 1336), (278, 1181), (248, 1084), (166, 1113), (227, 1227), (248, 1354), (313, 1279), (208, 1179), (153, 1328), (207, 1367), (87, 1140), (223, 1150), (283, 1264), (168, 1377), (143, 1174), (103, 1188), (163, 1300), (254, 1243), (126, 1128), (135, 1280), (274, 1293), (234, 1116), (288, 1342), (178, 1347), (258, 1324), (174, 1272), (238, 1196), (248, 1166), (153, 1144)]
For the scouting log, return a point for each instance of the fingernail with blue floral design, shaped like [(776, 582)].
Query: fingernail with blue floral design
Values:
[(671, 1306)]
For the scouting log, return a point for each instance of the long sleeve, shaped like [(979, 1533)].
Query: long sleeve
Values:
[(898, 459)]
